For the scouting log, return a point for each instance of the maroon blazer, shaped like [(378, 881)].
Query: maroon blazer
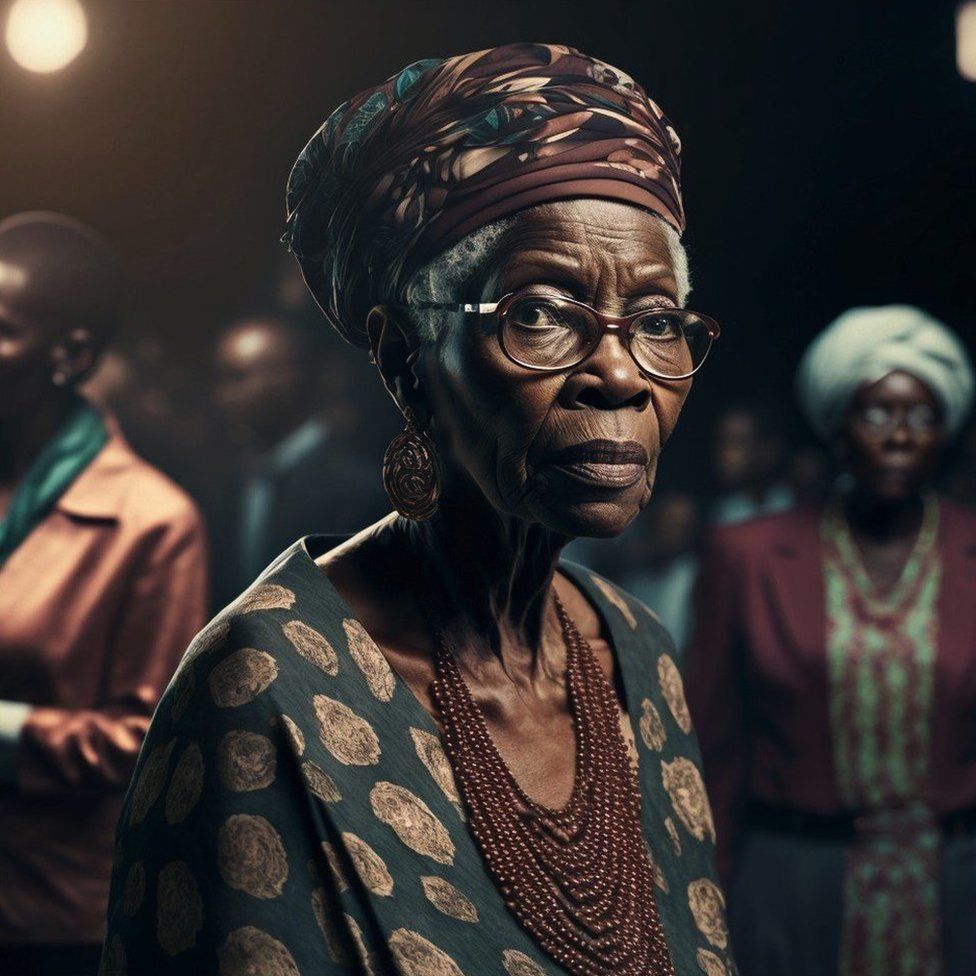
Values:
[(756, 674)]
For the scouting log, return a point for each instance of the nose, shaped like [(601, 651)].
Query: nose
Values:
[(901, 435), (608, 379)]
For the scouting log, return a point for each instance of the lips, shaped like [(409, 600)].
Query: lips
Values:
[(603, 463)]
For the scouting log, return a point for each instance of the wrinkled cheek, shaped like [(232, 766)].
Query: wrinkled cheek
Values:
[(668, 402), (488, 416)]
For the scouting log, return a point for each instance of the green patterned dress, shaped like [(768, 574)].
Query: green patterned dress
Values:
[(293, 811), (881, 656)]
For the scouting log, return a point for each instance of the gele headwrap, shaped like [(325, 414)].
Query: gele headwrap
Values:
[(864, 345), (407, 168)]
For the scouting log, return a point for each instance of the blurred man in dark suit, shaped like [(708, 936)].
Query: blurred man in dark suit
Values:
[(286, 401)]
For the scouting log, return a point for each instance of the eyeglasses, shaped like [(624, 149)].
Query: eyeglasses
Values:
[(880, 421), (550, 332)]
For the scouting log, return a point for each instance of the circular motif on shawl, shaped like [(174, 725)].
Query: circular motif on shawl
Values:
[(335, 866), (241, 677), (415, 956), (447, 899), (684, 785), (134, 889), (295, 734), (370, 660), (149, 783), (345, 734), (412, 821), (250, 952), (184, 684), (251, 856), (519, 964), (673, 835), (630, 742), (708, 909), (185, 786), (265, 596), (312, 646), (246, 761), (659, 880), (651, 727), (208, 639), (710, 964), (370, 867), (432, 755), (613, 596), (673, 690), (330, 930), (113, 958), (362, 950), (179, 909), (320, 782)]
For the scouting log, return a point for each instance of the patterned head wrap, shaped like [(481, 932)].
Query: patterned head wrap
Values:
[(405, 169), (864, 345)]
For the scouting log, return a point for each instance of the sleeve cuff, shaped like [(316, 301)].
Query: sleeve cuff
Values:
[(13, 715)]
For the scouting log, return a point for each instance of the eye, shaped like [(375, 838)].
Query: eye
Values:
[(875, 416), (659, 325), (922, 417), (536, 314)]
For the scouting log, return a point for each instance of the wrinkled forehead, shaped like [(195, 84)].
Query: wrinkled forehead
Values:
[(581, 242)]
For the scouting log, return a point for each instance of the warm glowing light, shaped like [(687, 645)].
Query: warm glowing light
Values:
[(45, 35), (966, 40)]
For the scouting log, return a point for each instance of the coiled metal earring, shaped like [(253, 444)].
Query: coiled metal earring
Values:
[(411, 475)]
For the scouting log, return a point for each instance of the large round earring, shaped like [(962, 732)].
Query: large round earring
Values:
[(410, 472)]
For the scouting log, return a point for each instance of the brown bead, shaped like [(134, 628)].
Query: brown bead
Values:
[(579, 879)]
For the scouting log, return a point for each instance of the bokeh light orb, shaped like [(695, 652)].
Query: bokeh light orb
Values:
[(46, 35)]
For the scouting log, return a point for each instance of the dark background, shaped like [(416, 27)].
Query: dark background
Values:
[(829, 152)]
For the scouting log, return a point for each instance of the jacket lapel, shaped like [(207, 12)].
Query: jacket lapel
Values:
[(792, 581)]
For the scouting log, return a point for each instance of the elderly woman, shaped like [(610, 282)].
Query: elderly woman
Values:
[(833, 678), (415, 752)]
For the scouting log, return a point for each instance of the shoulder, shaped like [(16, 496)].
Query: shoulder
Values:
[(153, 498), (613, 599), (139, 496), (752, 540), (959, 519), (285, 640)]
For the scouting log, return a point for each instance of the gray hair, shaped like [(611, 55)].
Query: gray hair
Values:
[(447, 278)]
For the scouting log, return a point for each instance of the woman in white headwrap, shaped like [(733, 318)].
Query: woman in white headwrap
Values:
[(832, 678)]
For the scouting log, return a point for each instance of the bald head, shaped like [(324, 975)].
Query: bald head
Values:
[(266, 369), (59, 304), (57, 275)]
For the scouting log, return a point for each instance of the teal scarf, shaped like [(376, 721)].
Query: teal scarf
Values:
[(68, 453)]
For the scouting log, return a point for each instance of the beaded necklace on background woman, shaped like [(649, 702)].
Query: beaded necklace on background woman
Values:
[(832, 676)]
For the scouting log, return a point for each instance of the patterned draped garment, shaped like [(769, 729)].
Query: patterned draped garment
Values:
[(294, 812)]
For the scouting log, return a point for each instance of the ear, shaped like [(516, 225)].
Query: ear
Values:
[(395, 348), (73, 357)]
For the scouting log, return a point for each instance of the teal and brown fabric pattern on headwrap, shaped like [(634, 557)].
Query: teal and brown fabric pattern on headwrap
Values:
[(407, 168)]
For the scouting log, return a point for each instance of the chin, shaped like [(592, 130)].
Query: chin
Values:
[(894, 492), (595, 519)]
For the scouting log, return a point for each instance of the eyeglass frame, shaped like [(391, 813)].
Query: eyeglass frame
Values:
[(897, 419), (606, 323)]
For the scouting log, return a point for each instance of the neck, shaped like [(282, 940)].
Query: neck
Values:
[(883, 520), (22, 438), (490, 576)]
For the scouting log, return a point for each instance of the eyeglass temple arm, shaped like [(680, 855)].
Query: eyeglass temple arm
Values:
[(483, 308)]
